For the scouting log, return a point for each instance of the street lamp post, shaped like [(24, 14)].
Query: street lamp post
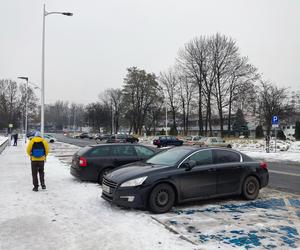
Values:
[(45, 13), (26, 105)]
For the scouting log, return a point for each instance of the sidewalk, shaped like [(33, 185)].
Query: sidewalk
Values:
[(69, 214)]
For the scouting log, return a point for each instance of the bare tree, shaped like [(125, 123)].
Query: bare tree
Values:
[(186, 91), (9, 103), (113, 98), (273, 101), (241, 77), (224, 52), (192, 59), (32, 101), (170, 84)]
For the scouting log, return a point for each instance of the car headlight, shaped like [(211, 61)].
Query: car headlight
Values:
[(134, 182)]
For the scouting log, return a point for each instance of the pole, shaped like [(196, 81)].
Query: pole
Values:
[(74, 119), (275, 139), (26, 111), (166, 118), (112, 118), (43, 74)]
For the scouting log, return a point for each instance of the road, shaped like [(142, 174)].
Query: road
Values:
[(284, 175)]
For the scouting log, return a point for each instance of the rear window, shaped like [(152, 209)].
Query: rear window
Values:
[(203, 157), (83, 150), (100, 152), (126, 150), (246, 158), (225, 156)]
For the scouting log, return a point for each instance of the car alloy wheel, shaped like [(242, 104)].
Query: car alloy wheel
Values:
[(251, 188), (162, 198)]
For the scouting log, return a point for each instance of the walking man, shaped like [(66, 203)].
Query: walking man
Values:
[(16, 139), (38, 150)]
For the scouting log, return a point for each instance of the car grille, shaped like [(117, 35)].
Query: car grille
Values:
[(109, 183)]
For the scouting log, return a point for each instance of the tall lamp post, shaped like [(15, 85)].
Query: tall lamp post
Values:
[(45, 13), (26, 105)]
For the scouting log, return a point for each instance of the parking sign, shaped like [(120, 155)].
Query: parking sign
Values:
[(275, 121)]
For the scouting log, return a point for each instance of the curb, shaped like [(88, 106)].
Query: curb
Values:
[(3, 146)]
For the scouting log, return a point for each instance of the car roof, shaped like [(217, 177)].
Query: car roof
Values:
[(197, 148), (120, 144)]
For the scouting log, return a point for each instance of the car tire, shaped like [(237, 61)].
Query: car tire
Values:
[(51, 141), (161, 198), (229, 146), (250, 188), (102, 173)]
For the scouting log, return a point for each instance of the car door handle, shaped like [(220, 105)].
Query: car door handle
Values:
[(237, 167), (212, 170)]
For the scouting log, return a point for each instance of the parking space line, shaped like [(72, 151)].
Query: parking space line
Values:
[(285, 173), (175, 232)]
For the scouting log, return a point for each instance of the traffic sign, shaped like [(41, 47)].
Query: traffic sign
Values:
[(10, 125), (275, 120)]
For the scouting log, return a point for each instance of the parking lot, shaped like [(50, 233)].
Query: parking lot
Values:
[(271, 221), (70, 214)]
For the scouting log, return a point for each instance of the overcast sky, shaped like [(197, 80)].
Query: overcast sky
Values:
[(90, 51)]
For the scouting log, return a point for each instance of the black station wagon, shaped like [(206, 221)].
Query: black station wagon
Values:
[(92, 162)]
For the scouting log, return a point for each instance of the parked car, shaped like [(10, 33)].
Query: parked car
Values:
[(184, 174), (85, 135), (49, 138), (164, 141), (101, 137), (92, 162), (122, 138), (214, 142), (30, 134), (195, 140)]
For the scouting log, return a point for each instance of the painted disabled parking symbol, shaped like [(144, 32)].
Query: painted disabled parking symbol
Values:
[(271, 222)]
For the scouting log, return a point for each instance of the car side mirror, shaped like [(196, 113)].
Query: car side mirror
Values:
[(189, 165)]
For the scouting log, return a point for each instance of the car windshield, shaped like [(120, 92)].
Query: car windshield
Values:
[(170, 157)]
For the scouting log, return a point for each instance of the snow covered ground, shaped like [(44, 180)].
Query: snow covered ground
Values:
[(287, 150), (69, 214)]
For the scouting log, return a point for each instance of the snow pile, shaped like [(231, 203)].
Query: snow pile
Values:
[(286, 150), (69, 214)]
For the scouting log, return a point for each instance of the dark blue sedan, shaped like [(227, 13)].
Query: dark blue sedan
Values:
[(164, 141)]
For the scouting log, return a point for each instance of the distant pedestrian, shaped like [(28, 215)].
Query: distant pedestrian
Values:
[(267, 143), (16, 139), (38, 150)]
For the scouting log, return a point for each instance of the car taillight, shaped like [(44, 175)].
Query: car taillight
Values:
[(82, 162), (263, 165)]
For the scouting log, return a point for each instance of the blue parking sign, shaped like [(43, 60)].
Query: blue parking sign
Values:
[(275, 120)]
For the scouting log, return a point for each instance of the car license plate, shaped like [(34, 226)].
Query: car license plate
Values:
[(105, 188)]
